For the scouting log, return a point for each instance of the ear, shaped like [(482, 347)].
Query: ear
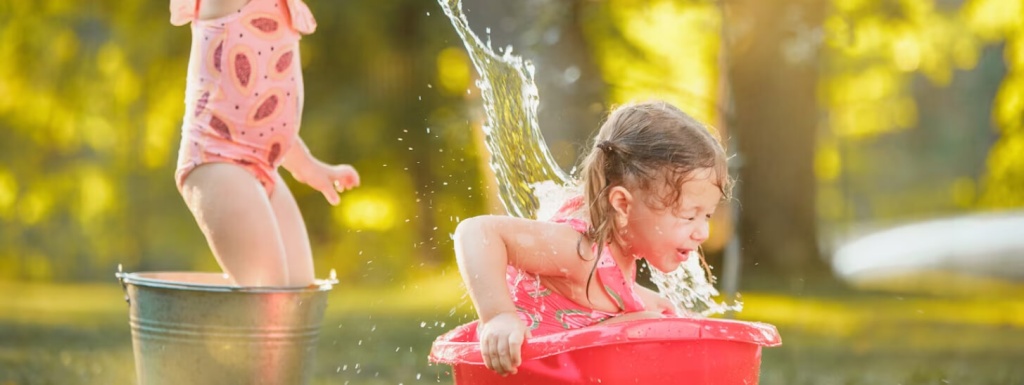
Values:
[(622, 202)]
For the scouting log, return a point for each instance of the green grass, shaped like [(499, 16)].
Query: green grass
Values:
[(78, 334)]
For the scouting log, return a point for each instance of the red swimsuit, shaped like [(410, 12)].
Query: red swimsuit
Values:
[(546, 312)]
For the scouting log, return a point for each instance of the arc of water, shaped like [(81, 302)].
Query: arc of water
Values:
[(525, 169), (520, 158)]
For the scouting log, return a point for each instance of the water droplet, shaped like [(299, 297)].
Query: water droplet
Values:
[(571, 74)]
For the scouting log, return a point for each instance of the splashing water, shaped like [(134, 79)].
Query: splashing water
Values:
[(519, 156), (530, 182), (691, 289)]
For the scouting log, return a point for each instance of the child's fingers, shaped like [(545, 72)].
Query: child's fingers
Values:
[(515, 346), (489, 357), (353, 177), (498, 356), (483, 353), (331, 195), (505, 355), (339, 186), (344, 176)]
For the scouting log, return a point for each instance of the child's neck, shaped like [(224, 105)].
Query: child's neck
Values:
[(625, 261)]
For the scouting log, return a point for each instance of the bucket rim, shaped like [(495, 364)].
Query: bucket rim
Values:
[(145, 279)]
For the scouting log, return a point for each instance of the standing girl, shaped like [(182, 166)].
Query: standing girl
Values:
[(651, 183), (243, 104)]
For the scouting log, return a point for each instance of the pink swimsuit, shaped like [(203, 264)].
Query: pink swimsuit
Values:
[(546, 312), (243, 99)]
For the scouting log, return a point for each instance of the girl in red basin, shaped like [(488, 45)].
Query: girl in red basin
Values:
[(651, 182)]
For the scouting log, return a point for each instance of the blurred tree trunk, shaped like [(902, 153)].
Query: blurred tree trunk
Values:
[(418, 161), (549, 33), (772, 49)]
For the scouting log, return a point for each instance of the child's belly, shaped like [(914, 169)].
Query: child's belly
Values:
[(244, 80)]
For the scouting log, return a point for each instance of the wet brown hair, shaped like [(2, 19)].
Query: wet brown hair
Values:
[(652, 147)]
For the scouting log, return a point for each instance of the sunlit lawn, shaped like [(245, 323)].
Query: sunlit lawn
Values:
[(78, 334)]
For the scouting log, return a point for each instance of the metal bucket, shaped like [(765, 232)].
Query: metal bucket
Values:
[(197, 329)]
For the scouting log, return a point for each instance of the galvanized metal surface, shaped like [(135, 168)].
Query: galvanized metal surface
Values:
[(194, 328)]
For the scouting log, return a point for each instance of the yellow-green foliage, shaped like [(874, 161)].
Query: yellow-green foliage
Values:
[(91, 104)]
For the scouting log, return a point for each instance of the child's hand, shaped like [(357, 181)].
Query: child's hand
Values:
[(326, 178), (329, 179), (666, 308), (501, 342), (655, 302)]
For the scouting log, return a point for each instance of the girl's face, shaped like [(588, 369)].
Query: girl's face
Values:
[(666, 236)]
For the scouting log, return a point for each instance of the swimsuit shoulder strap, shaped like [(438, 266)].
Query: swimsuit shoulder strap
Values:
[(611, 277), (301, 17)]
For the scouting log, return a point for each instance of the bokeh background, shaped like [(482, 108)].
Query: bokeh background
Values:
[(878, 146)]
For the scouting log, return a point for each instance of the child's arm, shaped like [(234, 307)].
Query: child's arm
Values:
[(653, 302), (484, 247), (637, 315), (326, 178), (654, 307)]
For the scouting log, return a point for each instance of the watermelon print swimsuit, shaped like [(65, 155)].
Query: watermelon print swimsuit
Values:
[(244, 93), (546, 312)]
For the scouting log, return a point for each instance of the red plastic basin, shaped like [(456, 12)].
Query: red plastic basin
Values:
[(648, 351)]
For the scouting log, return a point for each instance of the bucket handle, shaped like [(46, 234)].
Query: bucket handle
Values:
[(124, 287)]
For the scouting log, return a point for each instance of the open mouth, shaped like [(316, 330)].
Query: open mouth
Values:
[(683, 254)]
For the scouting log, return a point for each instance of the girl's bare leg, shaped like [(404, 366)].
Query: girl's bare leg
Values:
[(235, 214), (294, 235)]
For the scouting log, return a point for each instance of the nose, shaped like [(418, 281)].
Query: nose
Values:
[(701, 233)]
